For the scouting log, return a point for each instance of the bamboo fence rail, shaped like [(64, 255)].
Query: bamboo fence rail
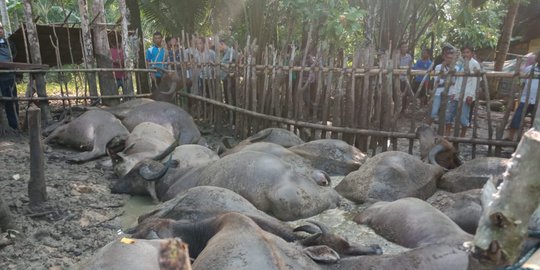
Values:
[(329, 96)]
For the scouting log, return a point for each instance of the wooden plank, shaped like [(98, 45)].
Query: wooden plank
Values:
[(27, 66), (488, 111), (367, 132)]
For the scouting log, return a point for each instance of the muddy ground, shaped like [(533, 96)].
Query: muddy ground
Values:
[(83, 215), (82, 210)]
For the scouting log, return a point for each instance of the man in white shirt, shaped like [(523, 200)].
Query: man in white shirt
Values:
[(468, 97), (516, 118)]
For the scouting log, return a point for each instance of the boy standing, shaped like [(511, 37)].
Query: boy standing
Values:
[(469, 95)]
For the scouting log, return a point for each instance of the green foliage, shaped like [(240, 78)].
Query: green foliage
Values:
[(465, 24), (477, 27), (339, 22), (173, 16)]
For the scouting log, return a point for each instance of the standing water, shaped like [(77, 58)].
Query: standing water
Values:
[(134, 207)]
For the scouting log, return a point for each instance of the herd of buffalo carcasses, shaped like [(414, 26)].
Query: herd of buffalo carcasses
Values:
[(229, 208)]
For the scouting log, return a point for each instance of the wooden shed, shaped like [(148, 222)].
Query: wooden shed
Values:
[(69, 42)]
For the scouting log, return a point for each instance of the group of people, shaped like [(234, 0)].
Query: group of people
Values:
[(460, 86), (201, 56), (436, 86)]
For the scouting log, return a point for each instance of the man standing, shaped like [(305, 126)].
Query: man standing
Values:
[(229, 57), (439, 81), (469, 95), (422, 64), (155, 58), (405, 61), (7, 80), (204, 57), (117, 55), (516, 118)]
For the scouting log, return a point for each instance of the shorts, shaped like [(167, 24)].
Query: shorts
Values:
[(517, 114), (451, 111)]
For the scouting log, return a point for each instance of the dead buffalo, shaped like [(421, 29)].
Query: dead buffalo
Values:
[(140, 254), (152, 177), (147, 140), (200, 203), (412, 223), (235, 241), (168, 115), (267, 182), (167, 88), (390, 176), (91, 132), (335, 157), (437, 149), (123, 109), (430, 257), (464, 208), (473, 174), (278, 136), (295, 161)]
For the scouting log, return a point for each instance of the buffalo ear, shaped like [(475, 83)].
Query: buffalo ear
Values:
[(322, 254), (151, 170)]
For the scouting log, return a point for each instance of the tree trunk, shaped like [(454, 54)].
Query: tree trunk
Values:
[(506, 35), (5, 17), (88, 48), (35, 53), (107, 83), (502, 229), (136, 25), (126, 49), (37, 192)]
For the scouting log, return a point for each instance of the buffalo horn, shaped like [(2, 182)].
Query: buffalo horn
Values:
[(432, 156), (309, 228), (322, 227)]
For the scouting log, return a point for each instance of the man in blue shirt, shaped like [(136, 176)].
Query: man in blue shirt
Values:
[(424, 63), (155, 57)]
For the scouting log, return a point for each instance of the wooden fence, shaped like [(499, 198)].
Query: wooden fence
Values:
[(349, 99), (357, 100)]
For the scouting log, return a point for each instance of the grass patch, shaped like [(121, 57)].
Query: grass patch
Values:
[(56, 83)]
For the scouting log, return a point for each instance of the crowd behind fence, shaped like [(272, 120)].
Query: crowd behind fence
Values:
[(359, 103)]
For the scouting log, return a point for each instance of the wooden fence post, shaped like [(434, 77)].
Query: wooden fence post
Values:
[(36, 185), (35, 52), (5, 216)]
